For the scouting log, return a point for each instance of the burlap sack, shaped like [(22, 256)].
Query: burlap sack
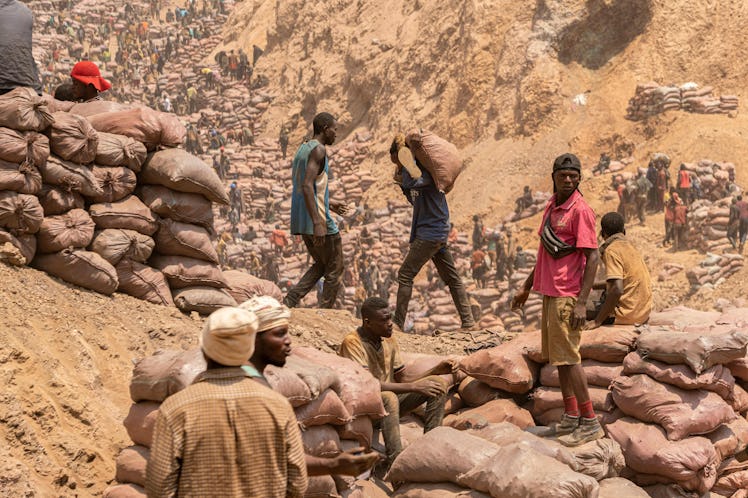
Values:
[(56, 200), (440, 490), (24, 179), (156, 377), (22, 109), (181, 171), (609, 344), (418, 365), (366, 489), (359, 391), (729, 484), (143, 282), (142, 124), (204, 300), (546, 398), (72, 229), (178, 206), (598, 373), (321, 441), (131, 463), (175, 238), (128, 214), (141, 422), (680, 317), (716, 378), (70, 176), (24, 246), (442, 454), (739, 368), (116, 183), (181, 271), (506, 366), (95, 107), (680, 412), (476, 393), (600, 459), (695, 350), (514, 471), (82, 268), (438, 156), (289, 385), (55, 105), (316, 376), (114, 244), (360, 430), (730, 438), (119, 150), (72, 138), (691, 462), (493, 412), (506, 433), (739, 400), (124, 491), (242, 286), (20, 213), (23, 147), (618, 487), (326, 409), (321, 487)]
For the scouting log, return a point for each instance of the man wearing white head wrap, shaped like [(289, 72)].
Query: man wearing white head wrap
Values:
[(272, 347), (226, 428)]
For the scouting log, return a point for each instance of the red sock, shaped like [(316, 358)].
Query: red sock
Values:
[(586, 409), (570, 406)]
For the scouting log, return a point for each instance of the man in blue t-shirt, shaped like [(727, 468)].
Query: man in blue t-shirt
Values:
[(428, 240), (310, 215)]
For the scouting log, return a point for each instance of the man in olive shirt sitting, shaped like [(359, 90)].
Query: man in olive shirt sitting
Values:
[(628, 285), (374, 348)]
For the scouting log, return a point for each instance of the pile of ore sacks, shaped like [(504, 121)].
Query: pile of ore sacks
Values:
[(651, 99), (98, 195), (670, 395), (713, 178), (714, 270), (335, 402)]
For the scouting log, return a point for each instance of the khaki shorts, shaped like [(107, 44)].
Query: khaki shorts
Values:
[(560, 344)]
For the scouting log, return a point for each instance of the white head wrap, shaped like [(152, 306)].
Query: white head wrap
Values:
[(228, 336), (269, 311)]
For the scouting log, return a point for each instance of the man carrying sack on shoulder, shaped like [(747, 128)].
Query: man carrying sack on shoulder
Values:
[(564, 274)]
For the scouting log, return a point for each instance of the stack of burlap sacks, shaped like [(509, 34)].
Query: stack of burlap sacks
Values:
[(334, 399), (707, 225), (713, 177), (714, 270), (651, 99), (87, 203), (666, 394)]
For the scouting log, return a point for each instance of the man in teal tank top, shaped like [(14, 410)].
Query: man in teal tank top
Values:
[(310, 215)]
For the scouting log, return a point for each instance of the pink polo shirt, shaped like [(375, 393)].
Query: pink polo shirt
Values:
[(574, 223)]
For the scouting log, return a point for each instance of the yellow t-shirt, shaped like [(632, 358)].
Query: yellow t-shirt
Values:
[(382, 360), (623, 261)]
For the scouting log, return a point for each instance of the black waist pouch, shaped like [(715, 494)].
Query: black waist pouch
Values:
[(556, 247)]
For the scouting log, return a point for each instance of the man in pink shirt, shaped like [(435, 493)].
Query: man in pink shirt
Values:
[(564, 274)]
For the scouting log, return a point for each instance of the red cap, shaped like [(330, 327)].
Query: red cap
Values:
[(88, 72)]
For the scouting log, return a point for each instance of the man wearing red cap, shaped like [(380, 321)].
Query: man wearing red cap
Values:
[(87, 81)]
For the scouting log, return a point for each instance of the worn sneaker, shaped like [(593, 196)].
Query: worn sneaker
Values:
[(567, 425), (589, 429)]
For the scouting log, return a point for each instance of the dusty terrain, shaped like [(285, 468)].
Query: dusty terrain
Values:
[(496, 79)]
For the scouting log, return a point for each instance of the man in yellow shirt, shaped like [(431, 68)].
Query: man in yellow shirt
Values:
[(628, 285), (373, 347)]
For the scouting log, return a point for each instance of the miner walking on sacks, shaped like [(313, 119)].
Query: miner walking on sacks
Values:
[(373, 347), (272, 347), (226, 432), (627, 285), (310, 214), (564, 274), (428, 235)]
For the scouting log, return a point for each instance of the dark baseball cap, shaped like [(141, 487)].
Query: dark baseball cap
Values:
[(567, 161)]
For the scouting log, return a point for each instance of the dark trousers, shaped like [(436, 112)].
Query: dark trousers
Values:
[(420, 252), (328, 263), (743, 230)]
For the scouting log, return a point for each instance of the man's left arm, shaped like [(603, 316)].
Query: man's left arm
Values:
[(613, 293), (162, 472), (296, 478)]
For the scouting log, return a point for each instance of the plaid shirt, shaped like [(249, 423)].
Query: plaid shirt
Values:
[(226, 436)]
